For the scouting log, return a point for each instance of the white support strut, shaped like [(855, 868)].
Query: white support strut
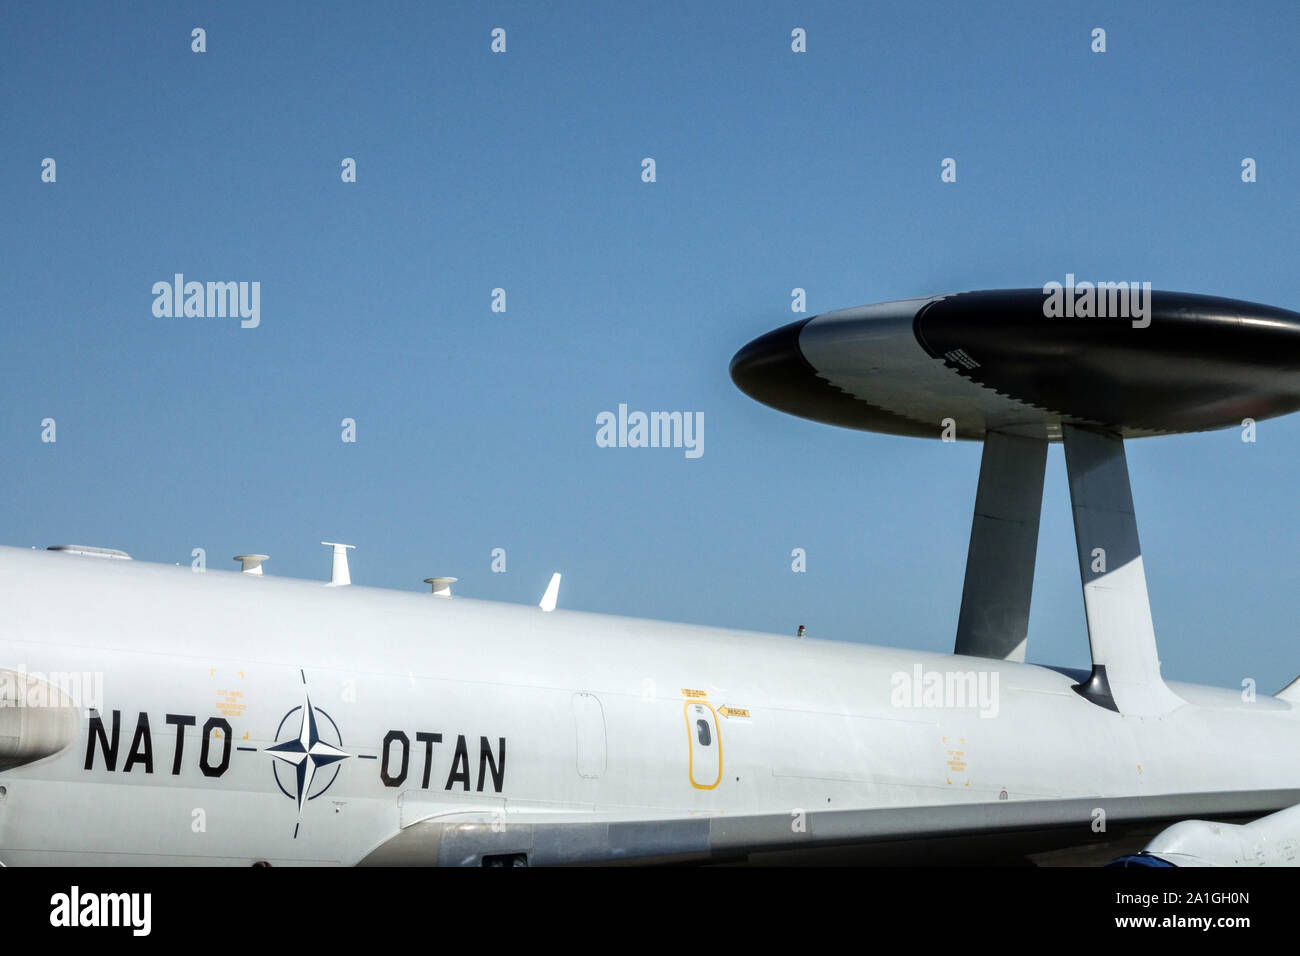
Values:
[(1125, 665)]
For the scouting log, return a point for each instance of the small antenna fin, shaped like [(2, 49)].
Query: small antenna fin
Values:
[(547, 602)]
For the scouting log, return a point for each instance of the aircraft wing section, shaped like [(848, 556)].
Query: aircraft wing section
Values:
[(973, 832)]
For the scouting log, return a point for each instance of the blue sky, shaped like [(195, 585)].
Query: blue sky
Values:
[(476, 430)]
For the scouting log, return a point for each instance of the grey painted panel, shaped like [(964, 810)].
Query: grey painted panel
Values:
[(994, 617)]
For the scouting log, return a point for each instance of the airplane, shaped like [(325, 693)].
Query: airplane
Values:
[(150, 715)]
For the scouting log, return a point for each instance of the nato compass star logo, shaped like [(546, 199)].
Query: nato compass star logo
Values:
[(307, 753)]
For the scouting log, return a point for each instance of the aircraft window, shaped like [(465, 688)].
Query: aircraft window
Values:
[(702, 730)]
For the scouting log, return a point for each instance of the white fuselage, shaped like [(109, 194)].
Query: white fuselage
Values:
[(559, 716)]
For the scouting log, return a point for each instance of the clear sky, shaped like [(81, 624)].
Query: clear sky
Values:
[(476, 429)]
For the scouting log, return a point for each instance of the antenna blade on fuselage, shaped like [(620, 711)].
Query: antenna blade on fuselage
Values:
[(547, 602)]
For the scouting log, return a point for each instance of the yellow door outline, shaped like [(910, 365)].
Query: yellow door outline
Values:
[(690, 740)]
